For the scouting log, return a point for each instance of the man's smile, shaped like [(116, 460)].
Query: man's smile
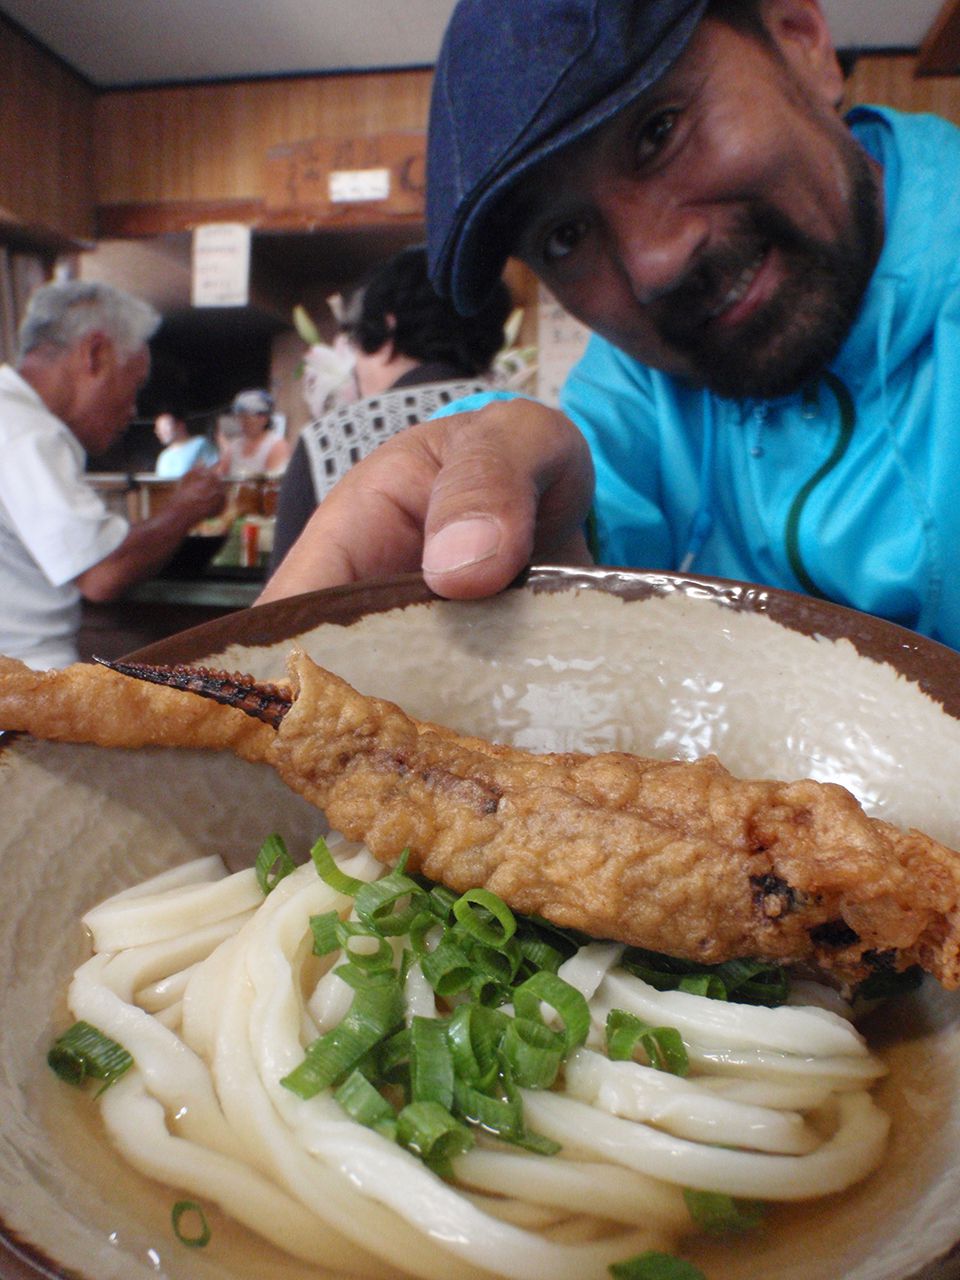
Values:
[(744, 295)]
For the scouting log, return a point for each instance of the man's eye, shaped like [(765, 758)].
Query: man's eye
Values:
[(654, 134), (562, 240)]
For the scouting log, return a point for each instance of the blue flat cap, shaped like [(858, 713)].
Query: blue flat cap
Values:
[(515, 81)]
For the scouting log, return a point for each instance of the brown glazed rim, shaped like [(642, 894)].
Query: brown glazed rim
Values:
[(932, 666)]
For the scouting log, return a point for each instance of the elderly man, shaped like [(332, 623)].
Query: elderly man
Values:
[(773, 391), (83, 357)]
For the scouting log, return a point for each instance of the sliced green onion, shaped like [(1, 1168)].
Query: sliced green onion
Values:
[(655, 1266), (498, 964), (85, 1052), (489, 993), (374, 903), (754, 981), (533, 1053), (365, 1104), (200, 1237), (273, 863), (380, 959), (440, 900), (431, 1062), (499, 1115), (430, 1131), (447, 968), (719, 1214), (376, 1010), (330, 873), (421, 927), (540, 955), (393, 1060), (566, 1001), (485, 916), (537, 1143), (663, 1046), (474, 1034), (361, 979), (704, 984), (324, 930), (747, 981)]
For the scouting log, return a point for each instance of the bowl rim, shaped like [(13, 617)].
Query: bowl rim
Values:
[(933, 666)]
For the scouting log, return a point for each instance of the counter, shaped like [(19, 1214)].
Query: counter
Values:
[(219, 568), (161, 607)]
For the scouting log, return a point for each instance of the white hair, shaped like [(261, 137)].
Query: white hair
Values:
[(61, 314)]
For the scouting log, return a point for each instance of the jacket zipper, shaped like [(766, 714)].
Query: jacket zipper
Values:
[(792, 529)]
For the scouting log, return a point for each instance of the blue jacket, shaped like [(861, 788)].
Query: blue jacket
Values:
[(850, 489)]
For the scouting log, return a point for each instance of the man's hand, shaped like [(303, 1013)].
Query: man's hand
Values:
[(471, 499), (200, 495), (149, 545)]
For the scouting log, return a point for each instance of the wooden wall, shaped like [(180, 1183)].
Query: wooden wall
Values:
[(208, 144), (46, 135), (161, 159), (888, 79)]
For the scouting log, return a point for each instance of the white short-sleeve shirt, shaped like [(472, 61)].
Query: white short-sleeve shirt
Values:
[(53, 526)]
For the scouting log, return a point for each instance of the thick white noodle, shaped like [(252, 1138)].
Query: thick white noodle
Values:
[(197, 871), (849, 1155), (136, 1124), (135, 921), (385, 1172), (806, 1032), (621, 1195), (157, 962), (214, 991), (681, 1107)]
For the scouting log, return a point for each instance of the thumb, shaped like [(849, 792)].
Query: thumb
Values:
[(515, 479)]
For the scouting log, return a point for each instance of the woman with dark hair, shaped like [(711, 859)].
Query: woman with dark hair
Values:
[(413, 354)]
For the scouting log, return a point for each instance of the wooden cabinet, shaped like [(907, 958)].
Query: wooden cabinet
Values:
[(170, 158), (46, 144)]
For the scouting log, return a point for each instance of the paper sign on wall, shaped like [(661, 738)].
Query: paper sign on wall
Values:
[(221, 265)]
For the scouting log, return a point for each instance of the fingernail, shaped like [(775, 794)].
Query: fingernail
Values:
[(461, 544)]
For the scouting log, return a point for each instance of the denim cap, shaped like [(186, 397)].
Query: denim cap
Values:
[(515, 81), (254, 401)]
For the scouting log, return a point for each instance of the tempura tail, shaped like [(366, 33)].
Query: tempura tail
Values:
[(88, 703)]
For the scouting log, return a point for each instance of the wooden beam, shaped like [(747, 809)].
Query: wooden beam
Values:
[(940, 52), (134, 221)]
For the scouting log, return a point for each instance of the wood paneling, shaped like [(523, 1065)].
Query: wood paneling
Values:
[(940, 51), (46, 157), (209, 143), (891, 80)]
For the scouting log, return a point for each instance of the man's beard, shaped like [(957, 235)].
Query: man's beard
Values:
[(789, 340)]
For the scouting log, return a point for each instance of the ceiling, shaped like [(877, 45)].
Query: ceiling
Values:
[(116, 43)]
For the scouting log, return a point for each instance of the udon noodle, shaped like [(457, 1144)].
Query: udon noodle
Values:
[(214, 991)]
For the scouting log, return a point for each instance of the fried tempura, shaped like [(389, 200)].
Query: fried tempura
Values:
[(677, 857), (86, 703)]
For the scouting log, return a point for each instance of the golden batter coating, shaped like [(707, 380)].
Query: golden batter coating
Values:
[(673, 856), (678, 857), (87, 703)]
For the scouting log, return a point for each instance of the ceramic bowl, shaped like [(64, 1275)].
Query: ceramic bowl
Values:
[(777, 685)]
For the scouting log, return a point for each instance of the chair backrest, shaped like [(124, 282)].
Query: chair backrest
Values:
[(338, 440)]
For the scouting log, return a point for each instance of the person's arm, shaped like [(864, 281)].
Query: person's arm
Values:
[(150, 544), (277, 457), (471, 499), (296, 503)]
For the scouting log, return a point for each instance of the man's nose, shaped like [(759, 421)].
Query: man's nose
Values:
[(654, 242)]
